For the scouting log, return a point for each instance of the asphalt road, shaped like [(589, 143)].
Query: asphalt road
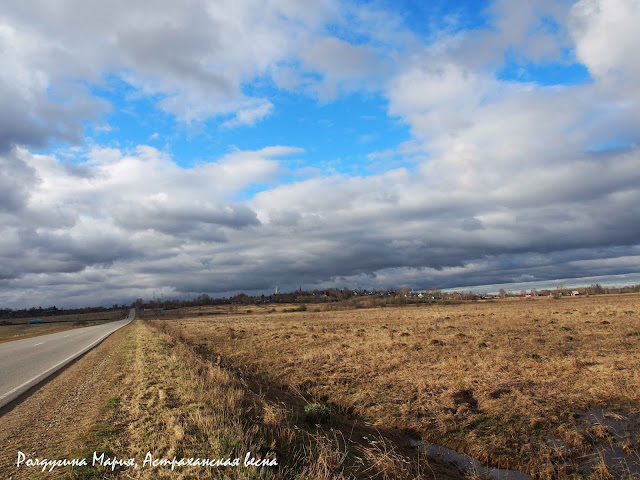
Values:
[(25, 363)]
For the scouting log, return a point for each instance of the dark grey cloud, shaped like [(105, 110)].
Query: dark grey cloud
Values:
[(33, 114), (513, 183), (182, 220), (177, 237), (78, 170), (16, 178)]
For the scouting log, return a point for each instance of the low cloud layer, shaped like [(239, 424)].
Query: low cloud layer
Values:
[(504, 181)]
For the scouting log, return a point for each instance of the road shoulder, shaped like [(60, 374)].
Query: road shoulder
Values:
[(47, 423)]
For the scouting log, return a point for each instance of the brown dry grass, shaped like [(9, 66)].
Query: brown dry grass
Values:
[(170, 403), (490, 379), (145, 391), (186, 405)]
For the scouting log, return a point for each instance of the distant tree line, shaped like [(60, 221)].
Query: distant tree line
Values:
[(561, 291), (428, 295), (391, 297), (299, 296)]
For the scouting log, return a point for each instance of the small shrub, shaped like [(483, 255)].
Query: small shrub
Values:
[(532, 356), (316, 413)]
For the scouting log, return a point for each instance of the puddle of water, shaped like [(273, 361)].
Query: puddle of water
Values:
[(560, 446), (468, 464), (619, 450)]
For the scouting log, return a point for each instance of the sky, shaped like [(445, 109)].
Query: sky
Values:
[(169, 149)]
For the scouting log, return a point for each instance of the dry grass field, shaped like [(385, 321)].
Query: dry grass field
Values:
[(143, 393), (184, 405), (550, 387)]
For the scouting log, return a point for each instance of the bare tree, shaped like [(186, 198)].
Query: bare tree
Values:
[(433, 293), (558, 291)]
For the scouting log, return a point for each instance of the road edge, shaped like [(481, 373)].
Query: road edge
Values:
[(15, 393)]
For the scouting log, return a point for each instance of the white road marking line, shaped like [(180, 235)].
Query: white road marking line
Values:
[(68, 359), (38, 344)]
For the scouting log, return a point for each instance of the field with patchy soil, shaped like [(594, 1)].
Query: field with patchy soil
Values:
[(550, 387)]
